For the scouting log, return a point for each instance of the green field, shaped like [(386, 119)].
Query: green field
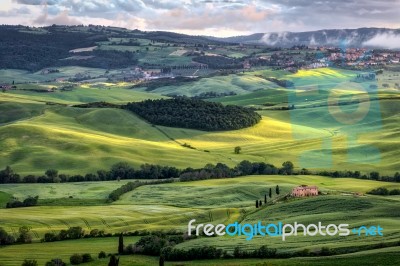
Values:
[(35, 136), (212, 201), (142, 209), (61, 137), (238, 84), (382, 257)]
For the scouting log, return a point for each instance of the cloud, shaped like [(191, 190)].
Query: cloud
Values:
[(240, 18), (388, 40), (234, 16), (15, 12), (61, 19)]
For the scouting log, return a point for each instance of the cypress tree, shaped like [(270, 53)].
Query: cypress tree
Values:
[(270, 192), (121, 244), (256, 203), (277, 190), (265, 198), (260, 203)]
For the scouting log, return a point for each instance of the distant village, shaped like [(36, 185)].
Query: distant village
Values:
[(289, 59)]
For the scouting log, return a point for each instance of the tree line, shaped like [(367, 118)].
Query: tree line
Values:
[(28, 202), (195, 114), (382, 191), (123, 170)]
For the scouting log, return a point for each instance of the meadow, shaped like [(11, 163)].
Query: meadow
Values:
[(62, 136), (35, 136), (171, 206)]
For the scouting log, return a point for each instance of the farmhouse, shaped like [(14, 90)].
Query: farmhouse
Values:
[(5, 87), (304, 191)]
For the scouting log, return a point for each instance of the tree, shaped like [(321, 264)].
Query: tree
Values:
[(237, 149), (288, 167), (256, 203), (397, 177), (52, 174), (260, 203), (245, 168), (86, 257), (55, 262), (113, 261), (29, 263), (270, 192), (265, 198), (24, 235), (374, 175), (5, 238), (121, 244), (162, 260), (76, 259), (277, 190), (102, 255)]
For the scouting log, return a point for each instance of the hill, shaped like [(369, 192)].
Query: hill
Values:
[(171, 206), (361, 37)]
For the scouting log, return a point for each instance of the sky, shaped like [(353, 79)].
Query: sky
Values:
[(220, 18)]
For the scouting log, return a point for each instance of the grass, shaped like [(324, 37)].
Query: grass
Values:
[(63, 136), (382, 257), (83, 94), (21, 76), (171, 206), (239, 84), (4, 198), (86, 190), (44, 252)]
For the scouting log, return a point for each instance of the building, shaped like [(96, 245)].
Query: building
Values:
[(5, 87), (304, 191)]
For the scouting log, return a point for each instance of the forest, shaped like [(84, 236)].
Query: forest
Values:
[(195, 114), (32, 52)]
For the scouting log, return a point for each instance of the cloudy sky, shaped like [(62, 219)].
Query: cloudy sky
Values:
[(206, 17)]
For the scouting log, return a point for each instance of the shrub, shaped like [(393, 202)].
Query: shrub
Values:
[(29, 263), (76, 259), (102, 255), (55, 262), (87, 257)]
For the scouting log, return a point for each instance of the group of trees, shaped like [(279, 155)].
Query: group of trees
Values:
[(24, 50), (123, 170), (210, 252), (115, 194), (384, 191), (24, 236), (153, 244), (196, 114), (77, 259), (117, 171), (259, 202), (28, 202), (70, 233), (245, 167), (357, 174)]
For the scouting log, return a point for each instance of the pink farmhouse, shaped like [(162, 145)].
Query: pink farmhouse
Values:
[(304, 191)]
